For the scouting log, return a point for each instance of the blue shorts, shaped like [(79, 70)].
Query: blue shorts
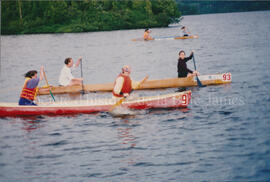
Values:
[(24, 101)]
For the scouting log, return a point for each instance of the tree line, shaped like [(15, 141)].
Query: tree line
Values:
[(24, 17)]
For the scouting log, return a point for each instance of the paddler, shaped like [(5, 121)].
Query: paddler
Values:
[(66, 78), (146, 35), (185, 31), (29, 90), (123, 83), (183, 71)]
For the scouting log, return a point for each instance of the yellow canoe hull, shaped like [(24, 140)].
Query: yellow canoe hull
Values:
[(214, 79), (188, 37), (168, 38)]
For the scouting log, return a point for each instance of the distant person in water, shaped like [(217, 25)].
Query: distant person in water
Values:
[(29, 90), (183, 71), (146, 35), (66, 78), (185, 31)]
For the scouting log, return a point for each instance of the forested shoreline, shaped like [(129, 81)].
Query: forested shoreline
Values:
[(25, 17), (65, 16)]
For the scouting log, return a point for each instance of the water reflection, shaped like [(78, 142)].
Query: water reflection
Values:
[(128, 138), (125, 134), (32, 123)]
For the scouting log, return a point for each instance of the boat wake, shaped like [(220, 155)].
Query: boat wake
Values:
[(123, 112)]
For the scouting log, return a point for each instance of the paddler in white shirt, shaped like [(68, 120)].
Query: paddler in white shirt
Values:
[(123, 83), (66, 78)]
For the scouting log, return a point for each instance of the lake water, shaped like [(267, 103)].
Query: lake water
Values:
[(222, 136)]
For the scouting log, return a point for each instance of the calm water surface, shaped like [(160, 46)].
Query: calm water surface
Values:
[(222, 136)]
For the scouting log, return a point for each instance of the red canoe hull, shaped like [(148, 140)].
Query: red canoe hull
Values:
[(165, 101)]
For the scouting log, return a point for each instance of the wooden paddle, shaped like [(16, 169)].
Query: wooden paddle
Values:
[(198, 81), (82, 91), (48, 85), (118, 103)]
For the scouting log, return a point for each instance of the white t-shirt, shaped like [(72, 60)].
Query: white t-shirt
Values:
[(118, 85), (65, 76)]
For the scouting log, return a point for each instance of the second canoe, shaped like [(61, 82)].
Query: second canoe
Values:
[(214, 79)]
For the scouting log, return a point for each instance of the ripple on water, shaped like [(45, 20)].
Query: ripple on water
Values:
[(175, 119), (225, 112), (92, 175), (115, 174), (56, 144), (52, 156), (55, 134)]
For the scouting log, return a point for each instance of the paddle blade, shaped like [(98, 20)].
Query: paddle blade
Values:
[(199, 82), (48, 85), (83, 90), (141, 82), (52, 95), (118, 103)]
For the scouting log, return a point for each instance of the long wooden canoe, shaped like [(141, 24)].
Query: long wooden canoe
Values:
[(214, 79), (187, 37), (168, 38), (174, 100)]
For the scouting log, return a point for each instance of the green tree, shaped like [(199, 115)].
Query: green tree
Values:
[(19, 17), (57, 13)]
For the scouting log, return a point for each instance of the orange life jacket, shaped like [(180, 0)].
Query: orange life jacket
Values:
[(127, 86), (145, 35), (28, 93)]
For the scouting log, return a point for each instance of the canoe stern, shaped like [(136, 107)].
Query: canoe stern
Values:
[(176, 100)]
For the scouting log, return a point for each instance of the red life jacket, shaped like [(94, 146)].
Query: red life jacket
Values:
[(126, 88), (28, 93)]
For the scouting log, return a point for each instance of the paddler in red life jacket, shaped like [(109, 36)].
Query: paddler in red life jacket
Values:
[(146, 35), (123, 83), (29, 90)]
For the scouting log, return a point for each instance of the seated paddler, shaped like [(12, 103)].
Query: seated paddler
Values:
[(185, 31), (66, 78), (146, 35), (182, 68), (123, 83), (29, 90)]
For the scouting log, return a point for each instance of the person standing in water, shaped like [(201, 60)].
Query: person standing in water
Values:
[(182, 69), (29, 90)]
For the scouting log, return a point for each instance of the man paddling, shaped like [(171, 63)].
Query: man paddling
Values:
[(29, 90), (123, 83), (146, 35), (182, 69), (66, 78)]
